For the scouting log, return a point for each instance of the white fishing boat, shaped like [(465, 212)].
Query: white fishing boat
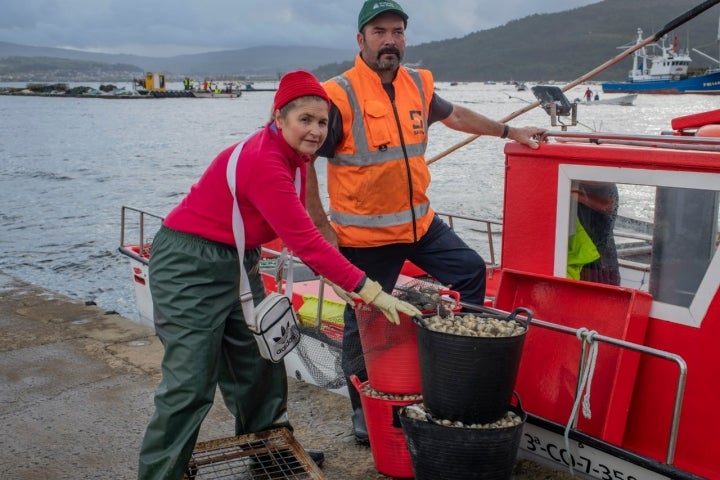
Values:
[(663, 68), (624, 100)]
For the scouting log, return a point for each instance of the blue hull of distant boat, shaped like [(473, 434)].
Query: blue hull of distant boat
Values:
[(709, 83)]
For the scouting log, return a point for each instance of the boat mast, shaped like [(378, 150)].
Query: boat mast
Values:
[(639, 58)]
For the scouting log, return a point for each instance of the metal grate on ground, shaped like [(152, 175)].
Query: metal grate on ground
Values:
[(269, 455)]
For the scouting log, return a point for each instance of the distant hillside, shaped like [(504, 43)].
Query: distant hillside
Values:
[(256, 61), (49, 69), (566, 45), (559, 46), (543, 48)]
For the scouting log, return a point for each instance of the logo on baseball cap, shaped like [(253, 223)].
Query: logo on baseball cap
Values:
[(373, 8)]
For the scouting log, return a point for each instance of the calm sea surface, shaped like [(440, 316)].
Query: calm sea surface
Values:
[(68, 165)]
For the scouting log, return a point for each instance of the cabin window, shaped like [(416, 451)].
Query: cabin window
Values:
[(659, 238)]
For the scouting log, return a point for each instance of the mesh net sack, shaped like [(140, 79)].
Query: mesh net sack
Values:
[(320, 351)]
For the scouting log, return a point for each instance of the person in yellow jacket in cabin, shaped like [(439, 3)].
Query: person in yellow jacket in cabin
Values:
[(597, 207), (581, 251), (377, 177)]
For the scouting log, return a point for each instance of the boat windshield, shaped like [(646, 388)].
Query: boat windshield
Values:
[(659, 238)]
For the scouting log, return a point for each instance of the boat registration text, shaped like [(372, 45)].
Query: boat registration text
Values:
[(548, 448)]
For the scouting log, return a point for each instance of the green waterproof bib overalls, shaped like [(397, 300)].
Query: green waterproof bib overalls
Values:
[(194, 285)]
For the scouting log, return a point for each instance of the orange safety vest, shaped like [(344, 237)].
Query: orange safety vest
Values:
[(378, 179)]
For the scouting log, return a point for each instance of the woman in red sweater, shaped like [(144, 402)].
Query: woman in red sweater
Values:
[(195, 275)]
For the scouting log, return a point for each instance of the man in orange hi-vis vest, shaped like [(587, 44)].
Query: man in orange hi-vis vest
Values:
[(377, 177)]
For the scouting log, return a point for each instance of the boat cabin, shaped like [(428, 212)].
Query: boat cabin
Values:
[(652, 380), (669, 64)]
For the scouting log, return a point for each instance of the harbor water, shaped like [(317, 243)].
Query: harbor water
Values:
[(68, 165)]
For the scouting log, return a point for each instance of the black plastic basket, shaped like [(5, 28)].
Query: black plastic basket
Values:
[(457, 453), (470, 379)]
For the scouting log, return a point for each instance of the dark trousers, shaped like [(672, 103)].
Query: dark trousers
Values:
[(440, 252)]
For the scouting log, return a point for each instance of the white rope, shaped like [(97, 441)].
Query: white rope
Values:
[(586, 375)]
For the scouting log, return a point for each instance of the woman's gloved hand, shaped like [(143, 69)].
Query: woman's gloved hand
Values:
[(371, 292)]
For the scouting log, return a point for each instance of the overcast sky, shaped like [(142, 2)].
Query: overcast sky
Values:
[(166, 28)]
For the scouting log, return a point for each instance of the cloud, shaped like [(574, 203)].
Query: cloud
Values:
[(165, 28)]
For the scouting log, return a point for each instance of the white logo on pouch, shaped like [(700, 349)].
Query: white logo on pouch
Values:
[(287, 336)]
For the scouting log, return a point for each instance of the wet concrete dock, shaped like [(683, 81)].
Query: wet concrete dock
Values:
[(76, 390)]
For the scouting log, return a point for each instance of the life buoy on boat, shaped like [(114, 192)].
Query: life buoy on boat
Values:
[(712, 130)]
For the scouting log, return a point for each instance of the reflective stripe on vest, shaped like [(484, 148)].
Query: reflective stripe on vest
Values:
[(388, 220), (363, 156)]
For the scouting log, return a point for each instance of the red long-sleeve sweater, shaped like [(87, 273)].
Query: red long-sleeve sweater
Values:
[(269, 205)]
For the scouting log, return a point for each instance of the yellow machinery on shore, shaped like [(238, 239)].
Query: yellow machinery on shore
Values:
[(153, 82)]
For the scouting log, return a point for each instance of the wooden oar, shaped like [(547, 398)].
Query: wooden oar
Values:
[(690, 14)]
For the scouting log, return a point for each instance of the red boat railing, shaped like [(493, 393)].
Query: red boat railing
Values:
[(678, 360), (587, 337)]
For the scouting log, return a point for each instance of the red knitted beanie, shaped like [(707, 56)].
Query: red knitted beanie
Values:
[(299, 83)]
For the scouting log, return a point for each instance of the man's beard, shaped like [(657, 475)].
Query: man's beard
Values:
[(388, 63)]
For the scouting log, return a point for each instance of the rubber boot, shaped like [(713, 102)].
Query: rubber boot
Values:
[(358, 418), (317, 456)]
